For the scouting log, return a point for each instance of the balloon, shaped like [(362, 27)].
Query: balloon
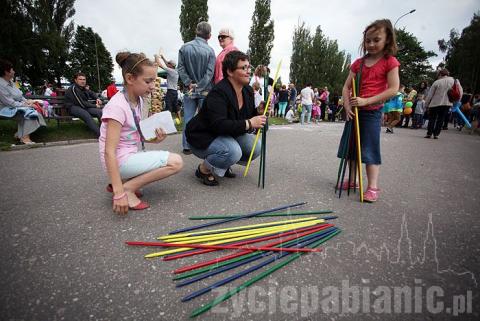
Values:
[(407, 111), (409, 104)]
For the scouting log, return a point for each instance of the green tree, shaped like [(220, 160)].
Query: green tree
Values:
[(192, 12), (261, 34), (462, 52), (50, 23), (86, 47), (318, 60), (414, 65)]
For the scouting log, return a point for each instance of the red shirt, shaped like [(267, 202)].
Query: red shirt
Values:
[(374, 78), (111, 90), (218, 74)]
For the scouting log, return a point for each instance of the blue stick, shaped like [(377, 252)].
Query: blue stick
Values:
[(251, 269), (236, 218), (456, 108)]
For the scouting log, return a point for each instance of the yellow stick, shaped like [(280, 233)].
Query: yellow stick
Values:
[(264, 112), (219, 236), (151, 255), (173, 236), (359, 149)]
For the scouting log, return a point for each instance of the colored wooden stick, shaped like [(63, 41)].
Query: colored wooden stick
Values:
[(238, 228), (264, 112), (220, 247), (206, 266), (216, 217), (253, 280), (226, 234), (227, 266), (249, 241), (237, 218), (223, 241), (359, 149)]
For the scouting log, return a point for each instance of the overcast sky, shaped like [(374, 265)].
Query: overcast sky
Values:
[(147, 25)]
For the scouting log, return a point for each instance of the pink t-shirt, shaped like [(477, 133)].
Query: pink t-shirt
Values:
[(374, 78), (218, 75), (118, 109)]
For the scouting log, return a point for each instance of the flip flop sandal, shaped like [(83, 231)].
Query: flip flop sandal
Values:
[(207, 179)]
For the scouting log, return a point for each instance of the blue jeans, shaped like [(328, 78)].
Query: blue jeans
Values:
[(226, 151), (190, 106), (306, 109)]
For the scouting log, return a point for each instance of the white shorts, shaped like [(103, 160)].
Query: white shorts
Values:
[(143, 162)]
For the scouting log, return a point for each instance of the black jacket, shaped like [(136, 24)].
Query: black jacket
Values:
[(78, 96), (220, 115)]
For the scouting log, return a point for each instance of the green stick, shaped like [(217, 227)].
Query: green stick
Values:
[(217, 217), (257, 278)]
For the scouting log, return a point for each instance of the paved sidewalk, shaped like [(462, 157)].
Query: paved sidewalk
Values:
[(63, 256)]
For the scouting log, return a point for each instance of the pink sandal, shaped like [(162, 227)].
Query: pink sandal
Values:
[(371, 195), (110, 190)]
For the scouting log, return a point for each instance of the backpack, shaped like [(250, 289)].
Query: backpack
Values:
[(454, 92)]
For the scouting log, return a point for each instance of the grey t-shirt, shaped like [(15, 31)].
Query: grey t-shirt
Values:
[(420, 107), (172, 78)]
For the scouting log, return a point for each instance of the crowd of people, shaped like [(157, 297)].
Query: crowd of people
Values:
[(224, 104)]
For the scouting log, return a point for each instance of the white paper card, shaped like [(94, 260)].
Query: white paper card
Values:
[(162, 120)]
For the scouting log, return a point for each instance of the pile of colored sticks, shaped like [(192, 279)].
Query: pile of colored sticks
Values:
[(350, 154), (289, 239)]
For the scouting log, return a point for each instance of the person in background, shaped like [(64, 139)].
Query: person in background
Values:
[(282, 101), (307, 101), (171, 98), (196, 65), (437, 102), (419, 111), (77, 102), (14, 105), (48, 90), (111, 90), (225, 39)]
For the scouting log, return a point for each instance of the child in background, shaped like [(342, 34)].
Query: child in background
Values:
[(419, 111), (379, 82), (316, 113), (393, 108), (128, 169)]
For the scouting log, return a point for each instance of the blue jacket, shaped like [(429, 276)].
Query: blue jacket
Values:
[(196, 63)]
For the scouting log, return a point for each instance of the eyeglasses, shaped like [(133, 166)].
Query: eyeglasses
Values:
[(245, 68), (221, 37)]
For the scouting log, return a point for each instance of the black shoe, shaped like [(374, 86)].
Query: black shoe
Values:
[(435, 137), (428, 136), (229, 173), (207, 179), (187, 151)]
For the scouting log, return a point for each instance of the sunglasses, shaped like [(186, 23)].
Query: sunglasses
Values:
[(221, 37)]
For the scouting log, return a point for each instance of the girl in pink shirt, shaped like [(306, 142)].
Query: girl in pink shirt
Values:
[(379, 82), (129, 169)]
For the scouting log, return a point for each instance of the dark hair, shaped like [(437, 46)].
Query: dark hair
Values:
[(79, 74), (309, 84), (443, 72), (231, 60), (390, 48), (131, 63), (5, 66)]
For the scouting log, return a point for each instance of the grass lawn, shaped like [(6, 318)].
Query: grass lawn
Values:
[(67, 131)]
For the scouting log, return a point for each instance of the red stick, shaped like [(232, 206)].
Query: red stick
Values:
[(223, 247), (232, 256), (261, 239)]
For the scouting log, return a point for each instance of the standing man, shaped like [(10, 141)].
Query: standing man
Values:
[(225, 38), (171, 98), (307, 101), (196, 64), (76, 101)]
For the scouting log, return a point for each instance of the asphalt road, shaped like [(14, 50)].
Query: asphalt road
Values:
[(414, 255)]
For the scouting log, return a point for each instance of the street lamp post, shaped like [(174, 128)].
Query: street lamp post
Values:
[(403, 15)]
